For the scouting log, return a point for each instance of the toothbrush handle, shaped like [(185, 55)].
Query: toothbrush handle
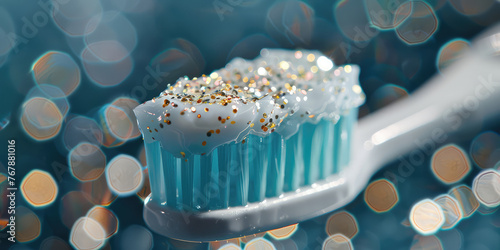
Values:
[(466, 95)]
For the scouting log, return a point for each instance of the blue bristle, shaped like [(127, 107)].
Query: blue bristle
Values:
[(239, 175), (258, 159), (169, 167), (222, 176), (276, 166), (235, 174), (294, 162)]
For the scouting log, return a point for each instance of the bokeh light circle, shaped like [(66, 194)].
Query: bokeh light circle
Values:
[(81, 129), (52, 93), (86, 162), (427, 217), (337, 242), (77, 17), (465, 197), (106, 218), (113, 39), (58, 69), (28, 225), (352, 21), (381, 195), (260, 244), (124, 175), (343, 223), (192, 51), (386, 14), (128, 105), (230, 246), (451, 52), (284, 232), (41, 118), (486, 188), (420, 25), (246, 239), (39, 188), (105, 74), (451, 209), (83, 234), (173, 61), (117, 125), (485, 149), (290, 22), (450, 164)]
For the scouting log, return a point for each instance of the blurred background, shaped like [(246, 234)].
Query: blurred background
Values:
[(71, 71)]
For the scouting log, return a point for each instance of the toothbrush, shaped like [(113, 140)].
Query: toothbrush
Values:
[(468, 93)]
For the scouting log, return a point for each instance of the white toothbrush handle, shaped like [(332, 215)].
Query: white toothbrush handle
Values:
[(466, 95)]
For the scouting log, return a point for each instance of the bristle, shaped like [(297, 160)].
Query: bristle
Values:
[(276, 165), (235, 174)]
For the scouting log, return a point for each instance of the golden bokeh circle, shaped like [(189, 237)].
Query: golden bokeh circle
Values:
[(343, 223), (284, 232), (450, 164), (39, 188), (381, 196)]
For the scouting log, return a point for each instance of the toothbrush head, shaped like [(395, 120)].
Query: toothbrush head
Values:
[(252, 147)]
